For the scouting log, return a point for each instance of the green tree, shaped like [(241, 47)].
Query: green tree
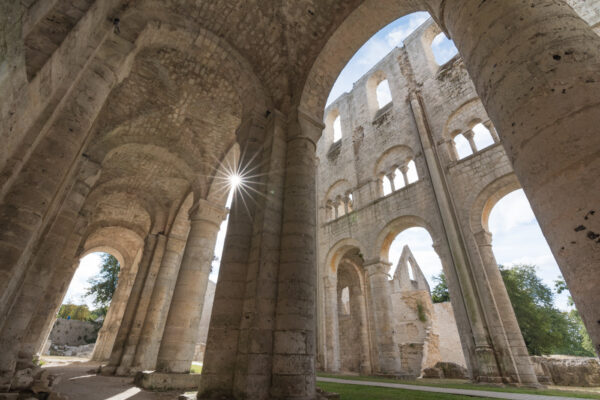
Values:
[(545, 329), (78, 312), (440, 291), (103, 286), (586, 342)]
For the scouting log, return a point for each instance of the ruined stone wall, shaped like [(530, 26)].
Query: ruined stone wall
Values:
[(370, 137), (350, 342), (72, 332), (444, 326)]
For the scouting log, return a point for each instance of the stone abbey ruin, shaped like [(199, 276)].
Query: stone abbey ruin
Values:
[(122, 122)]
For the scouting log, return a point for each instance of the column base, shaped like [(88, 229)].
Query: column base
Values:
[(159, 381), (107, 370)]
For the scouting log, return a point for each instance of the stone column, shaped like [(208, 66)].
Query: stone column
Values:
[(453, 153), (382, 324), (294, 347), (181, 331), (490, 127), (156, 317), (404, 170), (535, 68), (379, 184), (466, 303), (347, 209), (469, 136), (237, 360), (366, 367), (331, 325), (220, 356), (255, 345), (329, 212), (44, 317), (133, 337), (150, 246), (391, 177), (114, 316), (37, 279), (510, 327)]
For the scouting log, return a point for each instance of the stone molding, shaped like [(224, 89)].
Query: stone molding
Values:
[(204, 210)]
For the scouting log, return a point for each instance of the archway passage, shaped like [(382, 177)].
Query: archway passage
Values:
[(352, 318), (546, 314), (425, 326), (117, 114), (85, 307)]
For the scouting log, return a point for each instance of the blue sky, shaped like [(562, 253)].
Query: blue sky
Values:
[(516, 239), (516, 235), (380, 45)]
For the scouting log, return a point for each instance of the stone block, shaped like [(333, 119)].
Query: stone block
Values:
[(165, 381)]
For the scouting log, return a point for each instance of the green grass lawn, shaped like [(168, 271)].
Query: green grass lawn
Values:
[(354, 392), (196, 369), (463, 385)]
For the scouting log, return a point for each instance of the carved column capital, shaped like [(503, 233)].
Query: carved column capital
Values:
[(304, 126), (206, 211), (375, 267)]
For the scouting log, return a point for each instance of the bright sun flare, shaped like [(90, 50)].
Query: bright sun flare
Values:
[(235, 180)]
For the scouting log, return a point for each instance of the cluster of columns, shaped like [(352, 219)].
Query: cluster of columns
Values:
[(395, 172), (31, 314), (543, 97), (341, 206), (470, 136), (262, 336), (160, 323), (262, 340), (387, 354)]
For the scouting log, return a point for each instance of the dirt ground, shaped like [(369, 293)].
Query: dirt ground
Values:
[(80, 382)]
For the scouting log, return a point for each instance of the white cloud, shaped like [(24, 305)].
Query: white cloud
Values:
[(443, 49), (398, 34), (374, 50), (438, 39), (518, 239), (510, 212), (89, 267)]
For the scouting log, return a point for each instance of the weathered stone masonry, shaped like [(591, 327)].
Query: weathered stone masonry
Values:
[(117, 118)]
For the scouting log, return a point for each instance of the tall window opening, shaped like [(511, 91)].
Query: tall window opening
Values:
[(386, 185), (545, 312), (443, 49), (84, 306), (412, 174), (345, 301), (384, 96), (337, 129), (482, 136), (416, 275)]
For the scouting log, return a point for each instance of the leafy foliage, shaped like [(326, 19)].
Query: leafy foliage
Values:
[(560, 285), (545, 329), (440, 291), (78, 312), (103, 287)]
